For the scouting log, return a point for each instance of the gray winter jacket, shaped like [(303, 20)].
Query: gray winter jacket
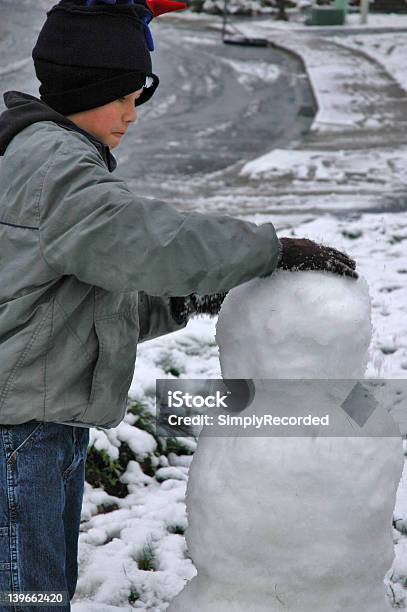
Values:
[(88, 268)]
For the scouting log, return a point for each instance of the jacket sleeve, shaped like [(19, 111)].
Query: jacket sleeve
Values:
[(93, 227), (156, 317)]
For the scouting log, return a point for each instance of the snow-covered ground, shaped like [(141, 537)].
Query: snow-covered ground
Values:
[(386, 48), (390, 21), (332, 187)]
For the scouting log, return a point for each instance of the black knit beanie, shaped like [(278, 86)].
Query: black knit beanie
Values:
[(91, 52)]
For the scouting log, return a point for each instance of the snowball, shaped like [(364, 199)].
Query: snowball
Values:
[(296, 325)]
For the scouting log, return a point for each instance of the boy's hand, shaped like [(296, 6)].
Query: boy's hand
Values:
[(304, 254), (207, 304), (184, 307)]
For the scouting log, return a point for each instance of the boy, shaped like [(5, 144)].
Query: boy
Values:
[(88, 270)]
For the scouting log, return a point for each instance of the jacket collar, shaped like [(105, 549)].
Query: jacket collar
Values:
[(24, 110), (103, 149)]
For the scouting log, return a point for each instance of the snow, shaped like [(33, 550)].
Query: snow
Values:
[(296, 325), (111, 544), (320, 527), (384, 169), (249, 72), (395, 22), (384, 49), (140, 442), (369, 238), (344, 102), (344, 187), (165, 473), (294, 503)]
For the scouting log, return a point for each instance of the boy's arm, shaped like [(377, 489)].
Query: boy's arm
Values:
[(161, 315), (156, 316), (93, 227)]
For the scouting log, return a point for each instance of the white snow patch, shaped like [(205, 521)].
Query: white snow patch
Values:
[(249, 73)]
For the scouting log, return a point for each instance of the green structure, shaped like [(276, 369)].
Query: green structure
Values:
[(328, 15), (341, 4)]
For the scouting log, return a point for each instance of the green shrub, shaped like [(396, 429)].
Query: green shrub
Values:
[(133, 596), (104, 472), (146, 560)]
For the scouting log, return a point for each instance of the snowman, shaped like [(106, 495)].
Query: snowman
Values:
[(302, 521)]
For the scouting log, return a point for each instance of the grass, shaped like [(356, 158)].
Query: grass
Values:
[(146, 561)]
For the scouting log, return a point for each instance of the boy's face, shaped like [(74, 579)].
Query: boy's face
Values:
[(109, 123)]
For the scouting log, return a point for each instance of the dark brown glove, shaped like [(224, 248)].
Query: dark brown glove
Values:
[(304, 254), (184, 307)]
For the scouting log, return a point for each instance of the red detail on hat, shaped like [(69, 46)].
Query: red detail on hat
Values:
[(159, 7)]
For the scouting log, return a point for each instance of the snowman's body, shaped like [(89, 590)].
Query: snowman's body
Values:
[(299, 524)]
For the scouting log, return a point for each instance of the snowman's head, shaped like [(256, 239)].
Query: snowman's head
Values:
[(296, 325)]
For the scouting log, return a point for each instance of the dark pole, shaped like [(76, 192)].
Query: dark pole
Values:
[(281, 15), (225, 4)]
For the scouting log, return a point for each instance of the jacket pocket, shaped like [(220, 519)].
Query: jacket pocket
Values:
[(70, 360), (113, 372)]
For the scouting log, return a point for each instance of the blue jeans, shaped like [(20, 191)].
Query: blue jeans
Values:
[(42, 474)]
